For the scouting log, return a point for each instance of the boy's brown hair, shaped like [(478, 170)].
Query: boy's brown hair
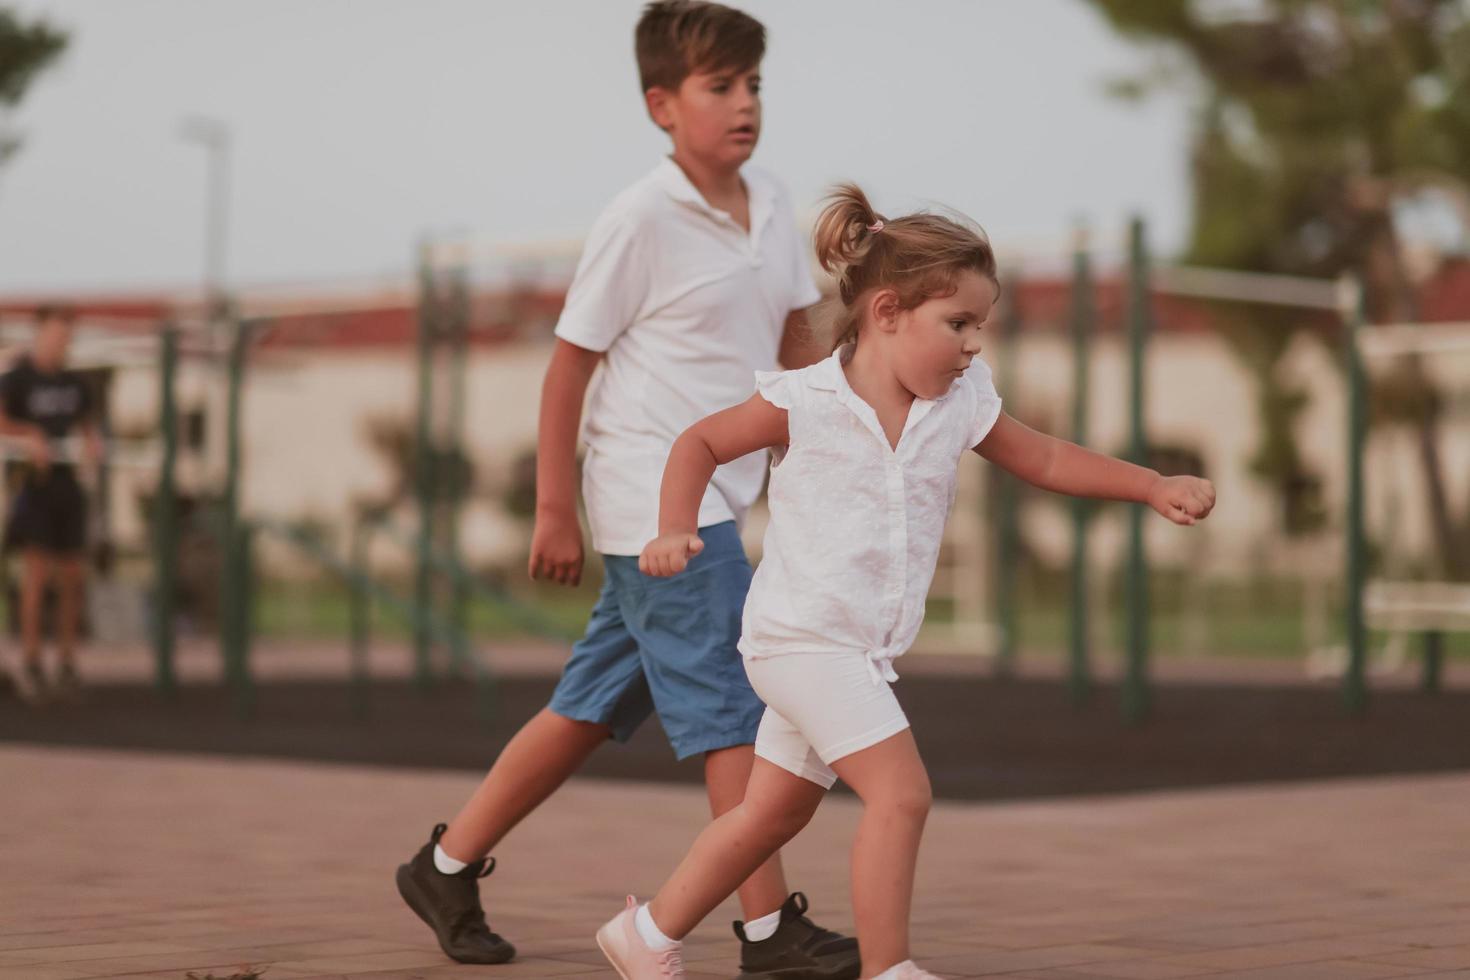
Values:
[(47, 312), (676, 38)]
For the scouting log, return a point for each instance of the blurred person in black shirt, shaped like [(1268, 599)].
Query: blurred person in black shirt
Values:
[(42, 403)]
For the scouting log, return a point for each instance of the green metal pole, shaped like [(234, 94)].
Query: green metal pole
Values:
[(1355, 689), (1080, 674), (361, 611), (165, 517), (1433, 661), (233, 586), (1135, 683), (455, 456), (423, 463), (245, 628), (1007, 542)]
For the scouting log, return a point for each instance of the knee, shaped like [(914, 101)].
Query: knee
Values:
[(910, 803), (776, 823)]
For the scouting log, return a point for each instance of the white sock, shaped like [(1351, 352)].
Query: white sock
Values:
[(446, 864), (892, 972), (649, 930), (757, 930)]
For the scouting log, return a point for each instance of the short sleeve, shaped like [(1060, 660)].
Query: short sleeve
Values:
[(987, 402), (12, 394), (780, 388), (610, 285)]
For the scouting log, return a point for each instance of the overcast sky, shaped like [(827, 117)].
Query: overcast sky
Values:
[(360, 125)]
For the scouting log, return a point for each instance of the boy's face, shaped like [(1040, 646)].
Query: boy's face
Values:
[(714, 116), (53, 340)]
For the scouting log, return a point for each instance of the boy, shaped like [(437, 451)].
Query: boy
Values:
[(691, 280), (41, 403)]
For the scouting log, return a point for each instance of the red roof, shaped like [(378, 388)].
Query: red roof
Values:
[(499, 316)]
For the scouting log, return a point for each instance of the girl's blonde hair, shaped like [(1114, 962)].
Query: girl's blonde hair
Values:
[(919, 256)]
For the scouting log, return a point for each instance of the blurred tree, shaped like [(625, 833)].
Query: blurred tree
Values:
[(1319, 121), (25, 49)]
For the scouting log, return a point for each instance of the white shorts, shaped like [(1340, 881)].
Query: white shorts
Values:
[(820, 707)]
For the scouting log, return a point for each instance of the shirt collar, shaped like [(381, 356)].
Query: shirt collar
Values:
[(827, 375), (677, 185)]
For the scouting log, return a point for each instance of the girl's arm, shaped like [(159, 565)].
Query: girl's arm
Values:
[(1064, 467), (754, 424)]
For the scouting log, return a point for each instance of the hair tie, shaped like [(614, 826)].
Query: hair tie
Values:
[(876, 226)]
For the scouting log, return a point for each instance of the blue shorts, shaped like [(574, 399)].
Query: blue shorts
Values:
[(668, 645)]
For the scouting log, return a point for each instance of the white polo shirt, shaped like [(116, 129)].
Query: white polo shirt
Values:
[(687, 305), (856, 525)]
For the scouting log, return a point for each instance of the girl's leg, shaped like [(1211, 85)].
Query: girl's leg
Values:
[(777, 805), (726, 776), (890, 779)]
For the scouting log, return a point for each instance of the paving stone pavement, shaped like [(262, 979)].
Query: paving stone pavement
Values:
[(121, 864)]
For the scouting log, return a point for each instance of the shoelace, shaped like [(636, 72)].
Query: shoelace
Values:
[(671, 962), (472, 919)]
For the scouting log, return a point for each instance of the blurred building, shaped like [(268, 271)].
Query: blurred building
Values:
[(329, 404)]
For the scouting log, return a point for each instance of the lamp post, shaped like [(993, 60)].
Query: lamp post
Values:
[(214, 136)]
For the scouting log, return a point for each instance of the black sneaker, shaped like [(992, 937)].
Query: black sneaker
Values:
[(798, 950), (450, 905)]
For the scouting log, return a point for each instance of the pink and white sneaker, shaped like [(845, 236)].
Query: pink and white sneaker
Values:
[(909, 970), (631, 956)]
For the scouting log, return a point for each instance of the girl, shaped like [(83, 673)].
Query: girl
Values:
[(866, 445)]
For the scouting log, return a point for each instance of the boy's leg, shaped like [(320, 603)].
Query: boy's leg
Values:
[(776, 806), (71, 580), (602, 693), (687, 628), (35, 571), (543, 754), (67, 538), (891, 781), (787, 783)]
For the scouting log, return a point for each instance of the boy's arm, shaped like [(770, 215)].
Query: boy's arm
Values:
[(34, 437), (90, 430), (753, 424), (556, 542), (1064, 467), (799, 348), (92, 441)]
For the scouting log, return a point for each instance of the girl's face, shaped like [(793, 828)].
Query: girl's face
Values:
[(935, 341)]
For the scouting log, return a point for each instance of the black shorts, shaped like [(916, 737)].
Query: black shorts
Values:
[(49, 513)]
